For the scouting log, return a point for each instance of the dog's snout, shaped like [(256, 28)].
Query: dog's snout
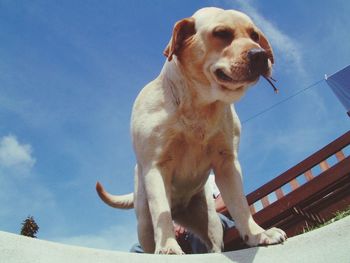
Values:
[(258, 61)]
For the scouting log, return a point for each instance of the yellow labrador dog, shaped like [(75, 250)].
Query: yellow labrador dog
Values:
[(183, 126)]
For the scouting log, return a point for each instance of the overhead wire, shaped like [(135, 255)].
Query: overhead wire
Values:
[(282, 101)]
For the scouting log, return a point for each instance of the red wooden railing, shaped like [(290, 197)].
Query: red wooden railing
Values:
[(307, 194)]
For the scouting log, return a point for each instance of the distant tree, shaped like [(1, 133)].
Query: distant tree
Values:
[(29, 227)]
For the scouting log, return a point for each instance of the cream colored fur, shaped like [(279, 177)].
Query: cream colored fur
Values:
[(183, 126)]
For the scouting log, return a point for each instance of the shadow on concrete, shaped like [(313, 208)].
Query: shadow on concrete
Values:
[(242, 256)]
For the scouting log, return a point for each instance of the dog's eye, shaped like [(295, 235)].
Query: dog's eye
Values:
[(254, 36), (223, 33)]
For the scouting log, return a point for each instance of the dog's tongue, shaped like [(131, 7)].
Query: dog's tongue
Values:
[(270, 79)]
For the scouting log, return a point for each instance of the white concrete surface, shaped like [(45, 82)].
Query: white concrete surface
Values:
[(330, 244)]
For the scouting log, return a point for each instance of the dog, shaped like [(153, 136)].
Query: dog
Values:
[(184, 126)]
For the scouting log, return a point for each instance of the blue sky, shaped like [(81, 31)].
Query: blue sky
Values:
[(70, 71)]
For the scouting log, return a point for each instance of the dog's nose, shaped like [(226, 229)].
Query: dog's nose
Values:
[(258, 61)]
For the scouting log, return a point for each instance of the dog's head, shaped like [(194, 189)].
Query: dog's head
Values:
[(222, 50)]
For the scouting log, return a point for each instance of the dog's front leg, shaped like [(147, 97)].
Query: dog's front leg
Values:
[(229, 180), (158, 195)]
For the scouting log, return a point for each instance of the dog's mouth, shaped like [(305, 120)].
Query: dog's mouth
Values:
[(222, 76), (241, 75), (227, 80), (229, 83)]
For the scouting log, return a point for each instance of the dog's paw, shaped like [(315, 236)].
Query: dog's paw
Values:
[(170, 248), (268, 237)]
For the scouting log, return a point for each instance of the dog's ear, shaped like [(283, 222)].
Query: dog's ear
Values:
[(264, 43), (183, 29)]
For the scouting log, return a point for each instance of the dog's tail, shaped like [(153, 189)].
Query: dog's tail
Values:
[(117, 201)]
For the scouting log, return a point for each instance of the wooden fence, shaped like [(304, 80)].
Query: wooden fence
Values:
[(305, 195)]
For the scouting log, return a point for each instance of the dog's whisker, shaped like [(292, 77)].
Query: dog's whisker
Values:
[(270, 79)]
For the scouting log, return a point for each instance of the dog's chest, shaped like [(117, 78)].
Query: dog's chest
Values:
[(193, 161), (187, 161), (195, 133)]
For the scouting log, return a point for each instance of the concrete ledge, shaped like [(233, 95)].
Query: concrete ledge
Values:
[(328, 244)]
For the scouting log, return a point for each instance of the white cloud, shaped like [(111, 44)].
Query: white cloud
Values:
[(14, 155), (16, 163)]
